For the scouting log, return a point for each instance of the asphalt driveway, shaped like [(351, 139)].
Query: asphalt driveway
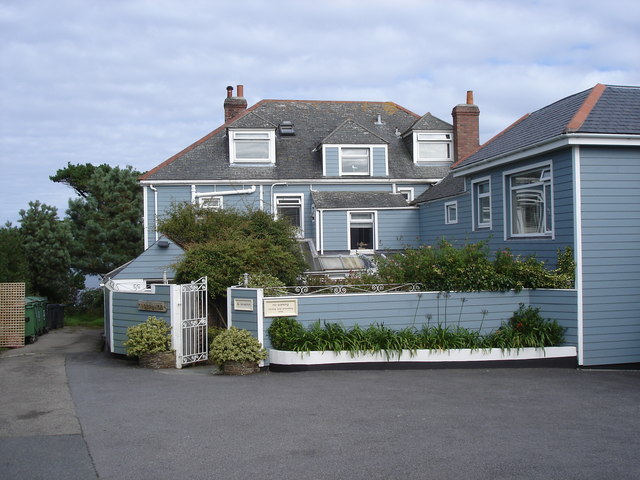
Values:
[(479, 424)]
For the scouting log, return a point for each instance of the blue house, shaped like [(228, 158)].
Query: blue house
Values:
[(565, 175), (344, 173)]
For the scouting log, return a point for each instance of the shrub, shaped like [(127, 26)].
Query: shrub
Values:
[(285, 333), (526, 328), (272, 286), (236, 345), (152, 336)]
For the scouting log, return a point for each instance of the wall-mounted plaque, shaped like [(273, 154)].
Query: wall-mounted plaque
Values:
[(281, 308), (243, 304), (152, 306)]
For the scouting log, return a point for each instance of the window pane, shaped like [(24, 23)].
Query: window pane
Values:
[(362, 237), (360, 217), (528, 211), (252, 135), (292, 214), (484, 210), (483, 187), (247, 149), (433, 150), (452, 213), (355, 160)]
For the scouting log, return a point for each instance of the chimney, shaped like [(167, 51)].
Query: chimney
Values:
[(466, 128), (234, 106)]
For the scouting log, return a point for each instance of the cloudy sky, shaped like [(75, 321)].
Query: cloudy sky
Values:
[(131, 82)]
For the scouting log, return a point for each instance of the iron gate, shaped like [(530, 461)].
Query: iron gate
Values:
[(193, 341)]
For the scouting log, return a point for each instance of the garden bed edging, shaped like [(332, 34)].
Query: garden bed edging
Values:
[(565, 357)]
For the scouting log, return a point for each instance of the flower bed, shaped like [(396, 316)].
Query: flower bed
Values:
[(282, 361)]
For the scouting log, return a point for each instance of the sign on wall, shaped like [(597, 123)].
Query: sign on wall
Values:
[(243, 304), (281, 308), (147, 306)]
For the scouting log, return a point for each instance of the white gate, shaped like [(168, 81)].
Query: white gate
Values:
[(190, 335)]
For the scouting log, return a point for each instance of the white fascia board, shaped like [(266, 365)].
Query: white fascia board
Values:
[(554, 143), (296, 181), (368, 209)]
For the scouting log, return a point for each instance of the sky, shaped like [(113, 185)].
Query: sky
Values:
[(132, 82)]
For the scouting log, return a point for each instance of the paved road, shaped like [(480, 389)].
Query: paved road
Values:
[(477, 424)]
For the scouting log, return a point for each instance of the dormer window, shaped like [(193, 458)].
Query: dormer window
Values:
[(432, 147), (252, 146)]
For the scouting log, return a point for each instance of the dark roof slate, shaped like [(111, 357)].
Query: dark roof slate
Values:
[(429, 122), (297, 156), (616, 111), (349, 132), (324, 200), (449, 186)]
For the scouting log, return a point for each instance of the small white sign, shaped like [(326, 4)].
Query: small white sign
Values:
[(243, 304), (281, 308)]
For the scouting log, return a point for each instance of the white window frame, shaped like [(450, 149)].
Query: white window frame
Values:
[(300, 197), (476, 203), (341, 156), (448, 208), (240, 135), (508, 199), (203, 201), (408, 192), (439, 137), (374, 219)]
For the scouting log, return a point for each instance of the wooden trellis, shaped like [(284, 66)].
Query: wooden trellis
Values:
[(11, 314)]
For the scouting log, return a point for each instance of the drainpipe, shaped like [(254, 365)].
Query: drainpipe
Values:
[(272, 198), (195, 195), (155, 211)]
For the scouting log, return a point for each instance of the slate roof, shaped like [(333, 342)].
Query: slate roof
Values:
[(606, 109), (429, 122), (449, 186), (296, 155), (323, 200)]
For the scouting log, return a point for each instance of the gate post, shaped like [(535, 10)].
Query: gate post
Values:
[(176, 323)]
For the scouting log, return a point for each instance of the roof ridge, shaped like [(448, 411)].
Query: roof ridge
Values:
[(585, 109), (399, 107), (499, 134)]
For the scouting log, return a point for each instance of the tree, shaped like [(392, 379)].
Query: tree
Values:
[(106, 219), (13, 259), (224, 244), (47, 241)]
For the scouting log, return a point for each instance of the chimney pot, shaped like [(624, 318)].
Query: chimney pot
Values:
[(240, 91), (469, 97), (229, 91)]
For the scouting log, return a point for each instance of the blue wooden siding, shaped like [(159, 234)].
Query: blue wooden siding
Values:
[(152, 263), (610, 188), (560, 305), (433, 226), (379, 162), (398, 229), (243, 319), (126, 313), (332, 161), (166, 196), (334, 230)]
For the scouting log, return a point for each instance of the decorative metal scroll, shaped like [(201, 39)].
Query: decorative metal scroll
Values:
[(342, 289), (194, 322)]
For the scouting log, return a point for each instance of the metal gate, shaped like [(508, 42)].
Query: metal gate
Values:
[(192, 340)]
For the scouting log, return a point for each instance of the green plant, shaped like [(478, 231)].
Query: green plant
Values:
[(152, 336), (272, 286), (236, 345), (526, 328), (285, 333)]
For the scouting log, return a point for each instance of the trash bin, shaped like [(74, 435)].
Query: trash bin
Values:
[(34, 309), (55, 316)]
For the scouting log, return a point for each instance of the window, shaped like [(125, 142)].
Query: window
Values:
[(256, 146), (451, 213), (482, 203), (361, 230), (213, 202), (531, 202), (355, 161), (290, 207), (432, 147), (406, 192)]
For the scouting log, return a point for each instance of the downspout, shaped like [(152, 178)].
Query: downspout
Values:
[(577, 225), (155, 211), (272, 198), (195, 195)]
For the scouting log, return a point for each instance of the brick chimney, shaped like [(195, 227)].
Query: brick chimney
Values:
[(233, 106), (466, 131)]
